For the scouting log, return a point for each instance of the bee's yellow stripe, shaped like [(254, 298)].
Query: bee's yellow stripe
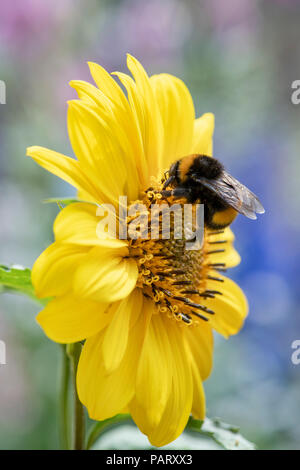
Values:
[(225, 217), (185, 165)]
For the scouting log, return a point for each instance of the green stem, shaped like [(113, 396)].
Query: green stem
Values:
[(64, 400), (74, 351)]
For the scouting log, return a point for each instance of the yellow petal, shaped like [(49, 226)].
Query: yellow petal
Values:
[(137, 116), (203, 133), (52, 273), (108, 85), (154, 372), (178, 116), (230, 308), (230, 257), (116, 334), (78, 224), (118, 131), (95, 97), (179, 404), (106, 394), (64, 167), (70, 319), (99, 147), (200, 345), (199, 402), (225, 234), (149, 116), (126, 117), (84, 196), (223, 253), (178, 409), (105, 275)]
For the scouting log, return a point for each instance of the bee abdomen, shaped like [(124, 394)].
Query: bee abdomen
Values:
[(221, 219)]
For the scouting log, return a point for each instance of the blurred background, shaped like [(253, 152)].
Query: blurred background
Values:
[(239, 59)]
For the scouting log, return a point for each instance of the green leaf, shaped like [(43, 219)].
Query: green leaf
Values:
[(64, 201), (223, 434), (226, 435), (127, 436), (101, 426), (17, 279)]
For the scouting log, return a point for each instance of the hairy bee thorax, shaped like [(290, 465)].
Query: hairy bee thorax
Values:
[(206, 166), (172, 276)]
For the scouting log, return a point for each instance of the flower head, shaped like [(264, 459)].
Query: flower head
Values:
[(146, 308)]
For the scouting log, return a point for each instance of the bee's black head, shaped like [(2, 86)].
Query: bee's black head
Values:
[(207, 166)]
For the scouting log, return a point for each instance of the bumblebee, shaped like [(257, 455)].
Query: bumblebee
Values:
[(202, 178)]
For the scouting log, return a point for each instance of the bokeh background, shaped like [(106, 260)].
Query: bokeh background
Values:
[(239, 59)]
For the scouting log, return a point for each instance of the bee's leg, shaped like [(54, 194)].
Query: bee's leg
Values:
[(177, 192), (165, 193), (181, 192), (168, 182)]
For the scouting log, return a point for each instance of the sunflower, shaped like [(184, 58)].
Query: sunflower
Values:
[(146, 309)]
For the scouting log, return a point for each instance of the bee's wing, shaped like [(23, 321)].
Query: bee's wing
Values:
[(234, 193)]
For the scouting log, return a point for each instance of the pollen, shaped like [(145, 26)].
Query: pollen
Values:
[(172, 276)]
